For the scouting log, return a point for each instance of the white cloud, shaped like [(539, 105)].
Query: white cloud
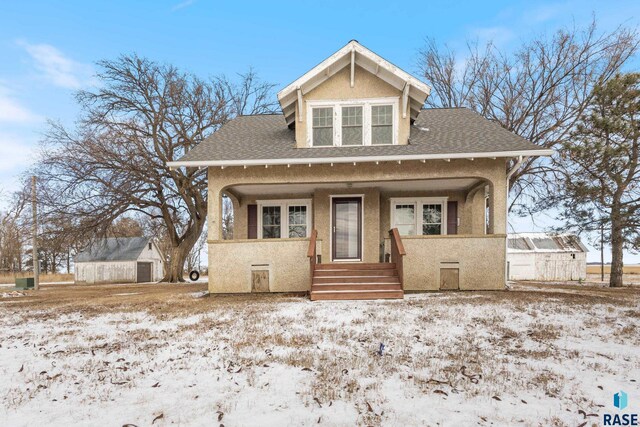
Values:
[(11, 111), (182, 5), (497, 35), (16, 153), (58, 68)]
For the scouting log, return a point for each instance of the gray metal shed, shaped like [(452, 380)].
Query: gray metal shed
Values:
[(119, 260), (546, 257)]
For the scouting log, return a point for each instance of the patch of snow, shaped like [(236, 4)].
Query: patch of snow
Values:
[(14, 294), (449, 359)]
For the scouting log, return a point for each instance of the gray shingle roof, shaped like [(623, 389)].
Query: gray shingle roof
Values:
[(114, 249), (435, 132)]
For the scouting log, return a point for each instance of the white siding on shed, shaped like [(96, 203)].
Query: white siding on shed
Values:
[(106, 272), (116, 270), (546, 257)]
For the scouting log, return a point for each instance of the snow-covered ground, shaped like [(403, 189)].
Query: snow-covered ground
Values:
[(500, 358)]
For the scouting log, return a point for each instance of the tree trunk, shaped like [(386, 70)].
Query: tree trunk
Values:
[(175, 269), (179, 252), (617, 242)]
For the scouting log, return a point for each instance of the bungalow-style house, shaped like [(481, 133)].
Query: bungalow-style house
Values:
[(355, 191)]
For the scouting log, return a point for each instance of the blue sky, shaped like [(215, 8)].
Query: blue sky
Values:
[(48, 48)]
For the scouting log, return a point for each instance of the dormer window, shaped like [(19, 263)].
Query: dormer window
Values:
[(323, 126), (353, 123), (381, 124), (352, 126)]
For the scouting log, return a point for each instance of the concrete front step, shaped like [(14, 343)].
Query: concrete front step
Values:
[(356, 266), (356, 279), (345, 272), (355, 295), (356, 287)]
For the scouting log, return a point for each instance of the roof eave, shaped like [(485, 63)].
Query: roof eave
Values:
[(356, 159)]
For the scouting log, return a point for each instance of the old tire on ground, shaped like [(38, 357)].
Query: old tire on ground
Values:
[(194, 275)]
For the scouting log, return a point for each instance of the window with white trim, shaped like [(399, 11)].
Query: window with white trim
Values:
[(279, 219), (425, 216), (352, 126), (323, 126), (353, 122), (381, 124), (405, 218), (432, 218)]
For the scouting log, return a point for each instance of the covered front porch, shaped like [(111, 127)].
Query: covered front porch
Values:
[(289, 237)]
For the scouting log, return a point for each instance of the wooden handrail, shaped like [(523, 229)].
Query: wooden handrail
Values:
[(312, 243), (397, 252), (395, 238)]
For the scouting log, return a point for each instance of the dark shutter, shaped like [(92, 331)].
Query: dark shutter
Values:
[(452, 217), (252, 221)]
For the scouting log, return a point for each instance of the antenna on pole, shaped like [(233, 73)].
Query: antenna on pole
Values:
[(36, 259)]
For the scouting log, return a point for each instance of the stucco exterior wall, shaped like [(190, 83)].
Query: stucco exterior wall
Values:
[(229, 265), (480, 261), (231, 261), (338, 87)]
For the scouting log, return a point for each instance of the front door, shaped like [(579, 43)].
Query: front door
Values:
[(346, 218)]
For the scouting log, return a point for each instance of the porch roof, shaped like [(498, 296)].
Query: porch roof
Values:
[(393, 186), (436, 134)]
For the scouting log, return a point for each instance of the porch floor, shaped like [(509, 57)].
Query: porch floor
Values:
[(351, 281)]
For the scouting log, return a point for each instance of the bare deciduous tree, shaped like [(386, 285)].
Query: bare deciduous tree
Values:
[(13, 235), (143, 115), (537, 91)]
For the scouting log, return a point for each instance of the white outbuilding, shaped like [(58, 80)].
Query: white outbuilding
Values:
[(546, 257), (119, 260)]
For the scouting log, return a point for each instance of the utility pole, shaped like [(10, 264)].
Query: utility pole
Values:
[(36, 259)]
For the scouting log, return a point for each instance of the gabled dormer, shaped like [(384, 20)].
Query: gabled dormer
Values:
[(353, 98)]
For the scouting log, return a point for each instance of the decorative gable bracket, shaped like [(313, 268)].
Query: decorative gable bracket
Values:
[(414, 92)]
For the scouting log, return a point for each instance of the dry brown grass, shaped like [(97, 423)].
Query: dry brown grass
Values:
[(483, 345), (57, 277), (627, 269)]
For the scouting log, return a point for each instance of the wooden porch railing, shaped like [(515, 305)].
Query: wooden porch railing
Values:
[(311, 252), (397, 252)]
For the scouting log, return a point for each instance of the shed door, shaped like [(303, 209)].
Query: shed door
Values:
[(144, 272)]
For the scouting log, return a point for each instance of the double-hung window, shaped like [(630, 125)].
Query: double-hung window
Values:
[(352, 122), (404, 215), (421, 216), (352, 126), (323, 126), (432, 218), (381, 124), (284, 218)]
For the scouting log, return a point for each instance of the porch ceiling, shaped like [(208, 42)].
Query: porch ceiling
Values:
[(453, 184)]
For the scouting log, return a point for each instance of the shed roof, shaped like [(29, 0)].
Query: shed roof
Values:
[(114, 249), (545, 242), (436, 133)]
